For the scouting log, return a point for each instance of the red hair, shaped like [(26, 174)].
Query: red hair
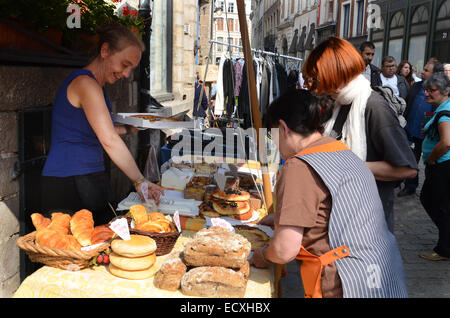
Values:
[(331, 65)]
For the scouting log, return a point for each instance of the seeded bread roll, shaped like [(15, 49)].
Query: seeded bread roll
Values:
[(171, 272), (216, 246), (215, 282)]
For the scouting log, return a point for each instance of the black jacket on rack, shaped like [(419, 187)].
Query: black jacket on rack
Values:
[(244, 110), (282, 78), (228, 86)]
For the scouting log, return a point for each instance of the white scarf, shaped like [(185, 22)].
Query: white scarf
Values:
[(355, 94)]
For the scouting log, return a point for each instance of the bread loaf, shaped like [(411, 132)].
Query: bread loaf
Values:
[(101, 233), (39, 221), (82, 226), (216, 282), (216, 246), (171, 272), (136, 246), (255, 236), (135, 275), (132, 264)]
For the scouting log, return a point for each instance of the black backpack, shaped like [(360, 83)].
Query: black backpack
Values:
[(433, 131)]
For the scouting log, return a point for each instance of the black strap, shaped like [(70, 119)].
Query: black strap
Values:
[(336, 132), (433, 129)]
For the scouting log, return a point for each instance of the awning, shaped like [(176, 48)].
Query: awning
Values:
[(309, 41), (301, 42), (292, 48)]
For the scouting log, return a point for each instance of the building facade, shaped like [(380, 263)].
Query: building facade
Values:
[(413, 30), (226, 28)]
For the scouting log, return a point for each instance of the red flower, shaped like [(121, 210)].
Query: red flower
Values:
[(126, 11)]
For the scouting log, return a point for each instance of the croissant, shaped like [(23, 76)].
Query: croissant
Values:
[(39, 221), (139, 214), (54, 239), (101, 233), (82, 226), (60, 223)]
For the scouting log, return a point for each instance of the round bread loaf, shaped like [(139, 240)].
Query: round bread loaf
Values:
[(132, 264), (135, 275), (136, 246)]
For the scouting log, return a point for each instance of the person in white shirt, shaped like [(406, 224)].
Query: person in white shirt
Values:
[(388, 77)]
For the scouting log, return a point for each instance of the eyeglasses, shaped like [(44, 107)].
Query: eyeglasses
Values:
[(431, 90)]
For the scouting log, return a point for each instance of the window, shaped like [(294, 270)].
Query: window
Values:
[(219, 46), (230, 7), (161, 49), (230, 25), (219, 5), (378, 54), (395, 49), (219, 26), (346, 20), (359, 17), (396, 36), (416, 54)]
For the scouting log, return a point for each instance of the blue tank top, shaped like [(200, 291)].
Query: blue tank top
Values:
[(75, 148)]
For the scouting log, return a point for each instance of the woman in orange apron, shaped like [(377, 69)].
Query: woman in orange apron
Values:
[(328, 213)]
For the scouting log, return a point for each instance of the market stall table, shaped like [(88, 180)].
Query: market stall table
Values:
[(97, 282)]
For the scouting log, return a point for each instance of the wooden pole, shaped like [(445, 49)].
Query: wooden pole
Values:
[(257, 122)]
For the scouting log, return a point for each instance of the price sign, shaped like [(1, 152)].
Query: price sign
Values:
[(176, 219), (222, 223), (120, 227)]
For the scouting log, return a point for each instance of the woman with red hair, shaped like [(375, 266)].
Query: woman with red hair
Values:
[(362, 118)]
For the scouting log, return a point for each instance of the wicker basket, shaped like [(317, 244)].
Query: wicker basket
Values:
[(59, 258), (164, 241)]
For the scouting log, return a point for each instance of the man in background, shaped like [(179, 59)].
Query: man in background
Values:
[(372, 73), (390, 78)]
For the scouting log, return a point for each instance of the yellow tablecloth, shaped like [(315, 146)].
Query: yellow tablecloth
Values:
[(97, 282)]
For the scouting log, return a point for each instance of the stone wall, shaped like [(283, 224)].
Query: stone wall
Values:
[(23, 87)]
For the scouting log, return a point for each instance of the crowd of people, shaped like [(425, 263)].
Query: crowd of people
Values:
[(347, 145)]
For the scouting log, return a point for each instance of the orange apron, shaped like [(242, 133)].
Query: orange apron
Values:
[(312, 266)]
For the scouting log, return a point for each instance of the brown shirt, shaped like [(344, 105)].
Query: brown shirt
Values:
[(303, 200)]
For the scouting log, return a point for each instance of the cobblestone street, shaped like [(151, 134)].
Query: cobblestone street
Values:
[(415, 233)]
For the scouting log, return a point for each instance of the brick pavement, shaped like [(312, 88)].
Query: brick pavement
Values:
[(415, 232)]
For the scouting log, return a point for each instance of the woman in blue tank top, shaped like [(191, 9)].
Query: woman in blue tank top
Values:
[(74, 175)]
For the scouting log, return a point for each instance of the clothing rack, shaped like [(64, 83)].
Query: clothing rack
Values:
[(259, 51)]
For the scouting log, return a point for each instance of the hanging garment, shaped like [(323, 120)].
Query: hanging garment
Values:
[(282, 78), (219, 106), (265, 89), (238, 73), (244, 108), (228, 87)]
